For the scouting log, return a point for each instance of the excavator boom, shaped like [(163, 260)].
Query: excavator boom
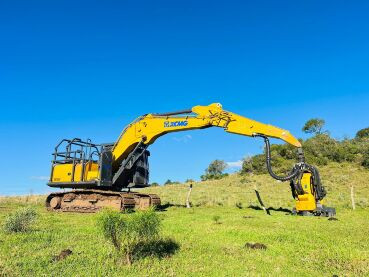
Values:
[(152, 126)]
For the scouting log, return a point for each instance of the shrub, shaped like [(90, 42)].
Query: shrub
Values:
[(160, 248), (112, 226), (254, 164), (319, 150), (170, 182), (363, 133), (20, 221), (127, 231), (216, 219), (281, 161), (213, 177), (365, 161)]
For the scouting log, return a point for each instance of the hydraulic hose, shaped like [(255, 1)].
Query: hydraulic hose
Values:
[(294, 172), (320, 191)]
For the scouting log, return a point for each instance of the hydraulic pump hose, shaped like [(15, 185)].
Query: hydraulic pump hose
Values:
[(294, 172), (320, 191)]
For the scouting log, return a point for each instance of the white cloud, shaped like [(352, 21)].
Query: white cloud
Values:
[(234, 164), (40, 178), (184, 138)]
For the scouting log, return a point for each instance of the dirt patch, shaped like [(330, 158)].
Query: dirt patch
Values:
[(248, 216), (63, 254), (332, 219), (256, 246)]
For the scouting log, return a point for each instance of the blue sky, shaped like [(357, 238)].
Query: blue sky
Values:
[(87, 68)]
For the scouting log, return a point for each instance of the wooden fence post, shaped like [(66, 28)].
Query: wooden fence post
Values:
[(188, 205), (260, 201), (352, 197)]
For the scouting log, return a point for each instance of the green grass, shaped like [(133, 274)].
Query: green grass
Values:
[(303, 246)]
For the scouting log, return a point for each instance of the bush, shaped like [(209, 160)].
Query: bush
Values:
[(365, 161), (254, 164), (281, 161), (216, 219), (213, 177), (112, 226), (319, 150), (170, 182), (160, 248), (363, 133), (127, 231), (20, 221)]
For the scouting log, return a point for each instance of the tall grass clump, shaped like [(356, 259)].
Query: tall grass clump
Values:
[(216, 219), (128, 232), (20, 221)]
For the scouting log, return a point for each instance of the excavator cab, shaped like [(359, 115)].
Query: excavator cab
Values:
[(84, 165), (75, 164), (87, 167)]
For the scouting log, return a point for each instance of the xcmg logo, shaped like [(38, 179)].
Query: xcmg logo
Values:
[(168, 124)]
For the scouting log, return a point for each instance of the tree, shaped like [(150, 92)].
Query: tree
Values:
[(363, 133), (170, 182), (214, 170), (216, 167), (314, 126)]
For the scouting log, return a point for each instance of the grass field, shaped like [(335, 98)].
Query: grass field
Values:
[(303, 246)]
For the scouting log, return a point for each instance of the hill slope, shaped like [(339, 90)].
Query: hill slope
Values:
[(303, 246), (337, 178)]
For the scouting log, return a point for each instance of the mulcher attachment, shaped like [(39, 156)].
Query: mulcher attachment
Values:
[(306, 186)]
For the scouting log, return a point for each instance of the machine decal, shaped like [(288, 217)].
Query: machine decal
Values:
[(168, 124)]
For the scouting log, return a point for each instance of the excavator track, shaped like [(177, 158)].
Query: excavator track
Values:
[(92, 201)]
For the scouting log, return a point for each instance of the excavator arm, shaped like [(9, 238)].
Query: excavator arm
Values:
[(148, 128)]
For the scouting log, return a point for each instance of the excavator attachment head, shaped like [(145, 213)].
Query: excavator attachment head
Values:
[(306, 185), (308, 199)]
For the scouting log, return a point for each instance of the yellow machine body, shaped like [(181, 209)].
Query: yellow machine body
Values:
[(306, 201), (63, 173), (124, 163)]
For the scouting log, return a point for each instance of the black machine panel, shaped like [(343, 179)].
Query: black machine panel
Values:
[(106, 159)]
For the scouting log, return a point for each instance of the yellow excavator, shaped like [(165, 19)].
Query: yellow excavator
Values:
[(102, 175)]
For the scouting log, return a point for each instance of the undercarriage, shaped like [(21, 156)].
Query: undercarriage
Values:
[(92, 200)]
